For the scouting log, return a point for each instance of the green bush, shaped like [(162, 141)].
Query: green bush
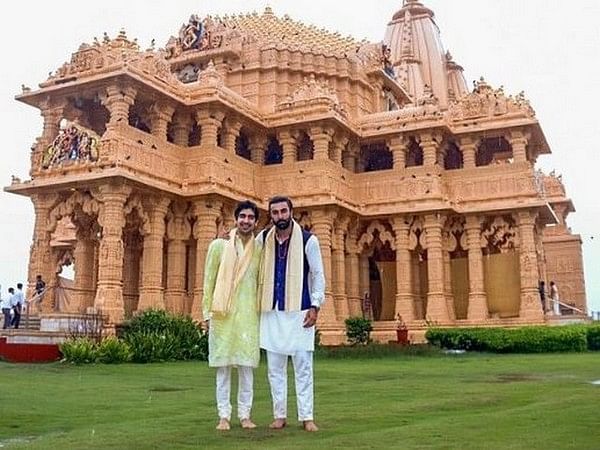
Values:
[(113, 351), (156, 335), (79, 351), (502, 340), (358, 330), (593, 337)]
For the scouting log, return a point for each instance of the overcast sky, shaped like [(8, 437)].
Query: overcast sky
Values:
[(548, 48)]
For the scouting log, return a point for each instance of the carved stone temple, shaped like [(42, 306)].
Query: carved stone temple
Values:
[(422, 190)]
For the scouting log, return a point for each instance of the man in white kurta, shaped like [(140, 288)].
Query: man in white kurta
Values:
[(230, 309), (291, 289)]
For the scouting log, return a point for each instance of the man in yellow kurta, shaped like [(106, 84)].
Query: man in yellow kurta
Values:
[(231, 314)]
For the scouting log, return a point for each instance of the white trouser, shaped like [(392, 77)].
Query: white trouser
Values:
[(303, 377), (245, 391), (556, 307)]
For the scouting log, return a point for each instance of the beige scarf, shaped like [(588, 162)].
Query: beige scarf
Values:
[(294, 273), (231, 271)]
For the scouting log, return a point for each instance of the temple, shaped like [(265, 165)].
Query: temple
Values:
[(423, 191)]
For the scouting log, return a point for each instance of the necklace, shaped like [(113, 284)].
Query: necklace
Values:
[(282, 250)]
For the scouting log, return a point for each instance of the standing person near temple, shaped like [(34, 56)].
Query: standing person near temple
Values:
[(230, 311), (18, 301), (5, 304), (291, 290), (555, 298)]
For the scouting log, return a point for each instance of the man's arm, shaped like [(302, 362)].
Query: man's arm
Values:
[(317, 281), (211, 268)]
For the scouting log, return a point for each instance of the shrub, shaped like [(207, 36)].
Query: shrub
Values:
[(79, 351), (156, 335), (358, 330), (113, 351), (593, 337), (521, 340)]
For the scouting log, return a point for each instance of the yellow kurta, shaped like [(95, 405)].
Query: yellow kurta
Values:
[(232, 339)]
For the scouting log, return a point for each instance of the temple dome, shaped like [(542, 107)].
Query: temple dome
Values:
[(419, 57)]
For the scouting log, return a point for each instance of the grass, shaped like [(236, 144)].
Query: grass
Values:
[(441, 402)]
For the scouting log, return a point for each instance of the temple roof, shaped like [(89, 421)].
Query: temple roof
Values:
[(269, 28)]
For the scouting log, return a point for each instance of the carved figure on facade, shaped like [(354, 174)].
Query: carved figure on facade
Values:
[(197, 34), (499, 234), (73, 143), (311, 92), (454, 237)]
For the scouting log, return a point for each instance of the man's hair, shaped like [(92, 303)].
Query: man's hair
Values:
[(11, 290), (246, 204), (281, 199), (19, 285), (38, 277)]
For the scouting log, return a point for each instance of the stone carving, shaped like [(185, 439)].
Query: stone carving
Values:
[(376, 229), (499, 234), (312, 92), (485, 101), (73, 143), (197, 34), (453, 235), (188, 73), (416, 235)]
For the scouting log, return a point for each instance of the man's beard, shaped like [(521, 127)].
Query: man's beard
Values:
[(283, 224)]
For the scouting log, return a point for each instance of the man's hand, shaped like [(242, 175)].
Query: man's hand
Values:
[(311, 317), (205, 325)]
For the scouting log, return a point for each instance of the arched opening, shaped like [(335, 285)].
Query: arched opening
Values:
[(305, 148), (138, 116), (496, 150), (90, 113), (195, 135), (376, 156), (457, 270), (274, 152), (453, 158), (242, 145), (414, 156)]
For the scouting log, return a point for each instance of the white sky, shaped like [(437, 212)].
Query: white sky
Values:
[(548, 48)]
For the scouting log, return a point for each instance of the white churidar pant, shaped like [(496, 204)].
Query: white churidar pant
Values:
[(303, 377), (245, 391)]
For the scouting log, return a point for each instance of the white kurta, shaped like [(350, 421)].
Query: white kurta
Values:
[(282, 331)]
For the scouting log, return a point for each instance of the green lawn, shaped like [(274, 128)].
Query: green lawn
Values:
[(450, 402)]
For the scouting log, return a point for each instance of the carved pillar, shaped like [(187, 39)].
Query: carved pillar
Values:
[(258, 144), (288, 144), (339, 271), (178, 232), (531, 307), (518, 141), (349, 159), (161, 115), (52, 113), (205, 230), (398, 147), (118, 100), (478, 308), (182, 125), (340, 144), (430, 147), (84, 269), (468, 147), (352, 274), (404, 294), (322, 221), (109, 292), (437, 309), (209, 123), (40, 254), (232, 131), (321, 138), (151, 288)]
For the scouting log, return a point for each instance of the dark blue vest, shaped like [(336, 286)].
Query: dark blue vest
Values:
[(280, 272)]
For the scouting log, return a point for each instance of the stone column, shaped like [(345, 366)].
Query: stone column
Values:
[(404, 294), (40, 254), (322, 221), (118, 100), (288, 144), (437, 310), (478, 308), (430, 147), (232, 131), (398, 147), (109, 291), (321, 138), (182, 125), (468, 147), (178, 231), (349, 159), (340, 142), (209, 123), (339, 270), (205, 230), (84, 269), (352, 274), (151, 288), (161, 115), (258, 145), (518, 141), (531, 307), (52, 113)]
